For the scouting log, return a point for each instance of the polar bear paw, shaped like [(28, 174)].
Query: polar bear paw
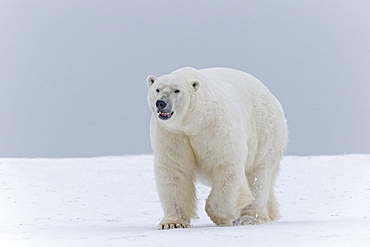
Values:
[(248, 220), (173, 225), (252, 217)]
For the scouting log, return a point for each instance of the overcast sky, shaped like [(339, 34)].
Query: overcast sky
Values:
[(72, 73)]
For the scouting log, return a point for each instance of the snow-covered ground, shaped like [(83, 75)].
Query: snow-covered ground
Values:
[(112, 201)]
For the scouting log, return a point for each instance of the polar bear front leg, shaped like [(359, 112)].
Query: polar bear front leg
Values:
[(176, 192), (229, 195)]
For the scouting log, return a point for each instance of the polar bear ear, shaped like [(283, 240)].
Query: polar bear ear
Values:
[(195, 84), (150, 80)]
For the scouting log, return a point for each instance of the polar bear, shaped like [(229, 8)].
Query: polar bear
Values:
[(222, 127)]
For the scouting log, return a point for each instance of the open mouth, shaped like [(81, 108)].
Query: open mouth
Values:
[(164, 115)]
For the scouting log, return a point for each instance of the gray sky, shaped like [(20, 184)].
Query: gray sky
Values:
[(72, 73)]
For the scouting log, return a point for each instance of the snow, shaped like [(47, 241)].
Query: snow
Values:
[(112, 201)]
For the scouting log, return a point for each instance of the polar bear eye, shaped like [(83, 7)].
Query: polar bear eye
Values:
[(177, 91), (157, 90)]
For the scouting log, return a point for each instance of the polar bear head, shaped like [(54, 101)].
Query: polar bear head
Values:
[(169, 96)]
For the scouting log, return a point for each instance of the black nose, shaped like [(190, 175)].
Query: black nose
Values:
[(160, 104)]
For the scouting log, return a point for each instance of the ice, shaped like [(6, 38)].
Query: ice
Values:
[(112, 201)]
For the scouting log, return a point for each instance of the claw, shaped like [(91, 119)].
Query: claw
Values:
[(172, 226)]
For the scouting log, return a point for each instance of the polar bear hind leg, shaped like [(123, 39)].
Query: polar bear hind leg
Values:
[(264, 208)]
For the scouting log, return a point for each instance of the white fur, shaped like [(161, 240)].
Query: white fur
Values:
[(228, 131)]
